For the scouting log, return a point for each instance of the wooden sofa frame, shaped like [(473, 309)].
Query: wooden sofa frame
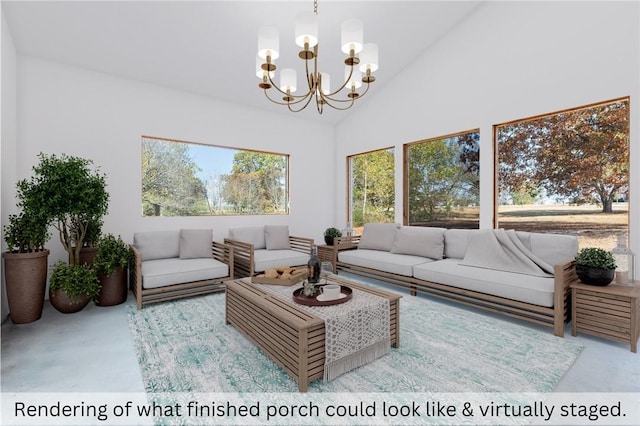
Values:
[(221, 252), (555, 317), (243, 254)]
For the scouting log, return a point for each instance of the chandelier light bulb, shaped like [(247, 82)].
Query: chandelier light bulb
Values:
[(307, 29), (352, 36), (369, 57), (268, 43), (325, 80), (288, 80), (356, 78)]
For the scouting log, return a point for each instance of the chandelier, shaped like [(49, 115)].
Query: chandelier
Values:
[(318, 87)]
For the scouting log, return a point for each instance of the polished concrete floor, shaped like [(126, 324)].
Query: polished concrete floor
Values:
[(92, 351)]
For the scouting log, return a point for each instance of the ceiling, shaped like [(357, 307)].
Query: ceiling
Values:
[(209, 47)]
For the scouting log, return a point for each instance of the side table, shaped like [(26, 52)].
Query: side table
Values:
[(611, 312)]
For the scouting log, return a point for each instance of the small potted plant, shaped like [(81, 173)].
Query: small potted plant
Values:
[(72, 287), (595, 266), (112, 259), (330, 234)]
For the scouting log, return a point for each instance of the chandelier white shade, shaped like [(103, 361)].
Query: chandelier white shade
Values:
[(357, 71)]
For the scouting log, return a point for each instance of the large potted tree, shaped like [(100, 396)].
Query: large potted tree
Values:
[(72, 194), (25, 265)]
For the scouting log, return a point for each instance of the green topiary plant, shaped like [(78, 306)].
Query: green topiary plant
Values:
[(595, 257), (111, 252), (330, 234), (74, 280), (68, 193), (26, 233)]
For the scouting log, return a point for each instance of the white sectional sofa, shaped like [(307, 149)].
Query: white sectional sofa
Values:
[(178, 263), (258, 248), (520, 274)]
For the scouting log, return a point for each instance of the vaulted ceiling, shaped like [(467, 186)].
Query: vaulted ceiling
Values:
[(209, 47)]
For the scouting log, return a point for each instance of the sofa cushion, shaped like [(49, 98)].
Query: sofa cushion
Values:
[(266, 259), (554, 248), (524, 288), (277, 237), (195, 243), (401, 264), (249, 234), (419, 241), (157, 244), (456, 242), (378, 236), (164, 272)]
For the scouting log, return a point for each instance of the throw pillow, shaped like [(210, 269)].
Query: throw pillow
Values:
[(249, 234), (419, 241), (195, 243), (378, 236), (277, 237)]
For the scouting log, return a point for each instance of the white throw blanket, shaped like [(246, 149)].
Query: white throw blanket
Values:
[(356, 332), (502, 250)]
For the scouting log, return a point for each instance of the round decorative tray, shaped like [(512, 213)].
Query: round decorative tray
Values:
[(298, 297)]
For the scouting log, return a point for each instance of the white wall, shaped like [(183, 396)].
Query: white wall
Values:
[(509, 60), (64, 109), (9, 136)]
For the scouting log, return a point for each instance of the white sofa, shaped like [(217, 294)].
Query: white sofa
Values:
[(520, 274), (258, 248), (178, 263)]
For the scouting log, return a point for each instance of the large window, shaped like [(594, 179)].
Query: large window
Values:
[(189, 179), (566, 172), (442, 181), (371, 187)]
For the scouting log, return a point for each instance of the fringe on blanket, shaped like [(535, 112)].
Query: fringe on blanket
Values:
[(356, 359)]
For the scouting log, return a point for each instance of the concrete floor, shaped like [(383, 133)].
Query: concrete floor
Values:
[(92, 351)]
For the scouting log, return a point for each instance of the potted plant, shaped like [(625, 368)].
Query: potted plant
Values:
[(330, 234), (595, 266), (112, 259), (71, 195), (88, 250), (72, 287), (25, 265)]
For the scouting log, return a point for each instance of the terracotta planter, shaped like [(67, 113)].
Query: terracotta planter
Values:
[(113, 288), (65, 304), (26, 279)]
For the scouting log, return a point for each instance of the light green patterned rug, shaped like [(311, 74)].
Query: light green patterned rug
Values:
[(185, 346)]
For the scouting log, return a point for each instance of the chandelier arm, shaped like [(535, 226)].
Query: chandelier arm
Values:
[(299, 98), (330, 99), (302, 99), (327, 101), (346, 81), (310, 96)]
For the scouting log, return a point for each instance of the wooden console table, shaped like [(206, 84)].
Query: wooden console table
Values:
[(290, 336), (611, 312)]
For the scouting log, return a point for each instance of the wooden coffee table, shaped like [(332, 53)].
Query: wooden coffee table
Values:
[(290, 336)]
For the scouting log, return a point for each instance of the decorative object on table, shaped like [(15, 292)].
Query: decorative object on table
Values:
[(348, 230), (308, 289), (595, 266), (326, 270), (313, 266), (317, 299), (625, 262), (112, 259), (330, 234), (72, 287), (284, 275)]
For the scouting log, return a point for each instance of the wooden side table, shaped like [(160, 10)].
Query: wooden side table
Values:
[(611, 312)]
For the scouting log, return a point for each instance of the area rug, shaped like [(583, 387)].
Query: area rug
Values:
[(185, 346)]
